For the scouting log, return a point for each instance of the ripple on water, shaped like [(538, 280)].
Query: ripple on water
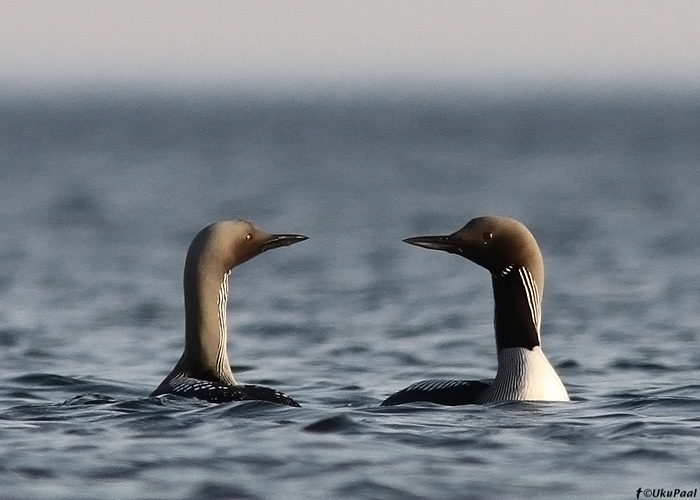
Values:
[(335, 424)]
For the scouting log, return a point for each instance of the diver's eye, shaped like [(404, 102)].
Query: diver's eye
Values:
[(249, 236), (487, 236)]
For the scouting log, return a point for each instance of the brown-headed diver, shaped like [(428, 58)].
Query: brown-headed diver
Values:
[(507, 249), (203, 370)]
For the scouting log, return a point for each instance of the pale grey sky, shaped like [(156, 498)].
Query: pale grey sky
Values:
[(287, 43)]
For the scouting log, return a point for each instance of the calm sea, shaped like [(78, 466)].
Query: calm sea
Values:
[(100, 197)]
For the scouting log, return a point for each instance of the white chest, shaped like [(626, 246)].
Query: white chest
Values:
[(524, 375)]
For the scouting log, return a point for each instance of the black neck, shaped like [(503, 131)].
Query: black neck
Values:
[(513, 316)]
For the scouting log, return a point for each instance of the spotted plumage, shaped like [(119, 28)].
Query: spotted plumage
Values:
[(216, 392)]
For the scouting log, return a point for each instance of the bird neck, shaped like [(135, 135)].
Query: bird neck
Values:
[(205, 355), (517, 308)]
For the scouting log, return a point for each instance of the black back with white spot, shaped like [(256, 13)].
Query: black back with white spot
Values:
[(214, 392), (442, 392)]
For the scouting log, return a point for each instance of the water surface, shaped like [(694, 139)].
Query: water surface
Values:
[(99, 199)]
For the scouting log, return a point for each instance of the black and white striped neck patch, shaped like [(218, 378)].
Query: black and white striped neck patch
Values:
[(505, 271), (533, 297), (532, 293)]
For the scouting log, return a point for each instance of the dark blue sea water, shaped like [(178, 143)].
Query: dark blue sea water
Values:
[(100, 197)]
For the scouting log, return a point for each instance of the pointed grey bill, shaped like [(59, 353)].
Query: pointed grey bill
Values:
[(444, 243), (282, 240)]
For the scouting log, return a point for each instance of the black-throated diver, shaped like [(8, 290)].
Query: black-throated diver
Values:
[(507, 249), (203, 370)]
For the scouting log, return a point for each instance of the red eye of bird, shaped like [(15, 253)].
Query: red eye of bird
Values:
[(487, 236), (249, 236)]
